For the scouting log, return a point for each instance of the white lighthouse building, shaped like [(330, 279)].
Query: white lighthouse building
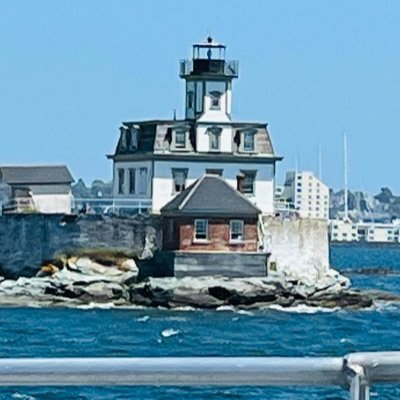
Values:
[(157, 159)]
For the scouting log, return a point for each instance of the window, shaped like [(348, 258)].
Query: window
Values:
[(248, 141), (134, 140), (131, 139), (121, 180), (214, 171), (190, 99), (179, 176), (142, 181), (215, 100), (132, 180), (215, 134), (214, 141), (249, 178), (180, 138), (200, 229), (236, 230)]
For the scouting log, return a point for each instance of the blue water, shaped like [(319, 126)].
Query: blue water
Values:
[(68, 332)]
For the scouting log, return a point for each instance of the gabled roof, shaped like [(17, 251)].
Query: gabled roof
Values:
[(49, 174), (210, 195)]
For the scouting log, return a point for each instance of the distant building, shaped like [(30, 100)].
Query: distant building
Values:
[(43, 189), (157, 160), (306, 194), (343, 231), (370, 232)]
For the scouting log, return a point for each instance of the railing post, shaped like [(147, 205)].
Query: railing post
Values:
[(359, 386)]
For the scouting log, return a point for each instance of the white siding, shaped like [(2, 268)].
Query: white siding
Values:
[(203, 139), (163, 183), (216, 115), (53, 203)]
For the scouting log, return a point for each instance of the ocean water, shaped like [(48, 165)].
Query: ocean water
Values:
[(96, 332)]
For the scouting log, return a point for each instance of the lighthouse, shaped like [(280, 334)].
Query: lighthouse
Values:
[(157, 159), (208, 76)]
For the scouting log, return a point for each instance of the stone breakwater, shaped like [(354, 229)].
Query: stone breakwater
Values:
[(112, 279)]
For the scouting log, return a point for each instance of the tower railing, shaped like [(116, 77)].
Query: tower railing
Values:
[(356, 371), (228, 68)]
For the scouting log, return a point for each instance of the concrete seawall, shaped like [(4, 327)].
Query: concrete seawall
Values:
[(26, 240), (299, 247)]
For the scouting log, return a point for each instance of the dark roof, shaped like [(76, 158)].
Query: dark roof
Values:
[(36, 175), (210, 195), (154, 136)]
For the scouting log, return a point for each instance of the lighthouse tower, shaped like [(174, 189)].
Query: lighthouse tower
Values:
[(208, 77)]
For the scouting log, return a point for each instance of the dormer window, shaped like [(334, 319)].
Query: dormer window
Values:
[(215, 139), (215, 100), (134, 139), (248, 141), (180, 139)]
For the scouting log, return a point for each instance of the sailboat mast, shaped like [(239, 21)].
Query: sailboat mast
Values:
[(346, 184), (320, 162)]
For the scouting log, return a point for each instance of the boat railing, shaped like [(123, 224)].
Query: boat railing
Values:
[(356, 371)]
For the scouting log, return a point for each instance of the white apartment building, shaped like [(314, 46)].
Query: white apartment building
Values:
[(156, 160), (343, 231), (306, 194), (370, 232)]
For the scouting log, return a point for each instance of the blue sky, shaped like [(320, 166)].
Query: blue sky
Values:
[(71, 71)]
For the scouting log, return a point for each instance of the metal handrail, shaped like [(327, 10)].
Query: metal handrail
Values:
[(113, 203), (355, 371)]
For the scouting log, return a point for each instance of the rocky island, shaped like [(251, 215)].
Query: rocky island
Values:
[(111, 278)]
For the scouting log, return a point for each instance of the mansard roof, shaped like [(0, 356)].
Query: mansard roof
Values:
[(155, 136), (210, 195), (49, 174)]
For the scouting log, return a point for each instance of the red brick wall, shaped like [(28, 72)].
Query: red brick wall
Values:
[(218, 236)]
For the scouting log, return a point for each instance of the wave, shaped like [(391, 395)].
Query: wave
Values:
[(302, 309), (22, 396), (166, 333), (106, 306), (385, 306)]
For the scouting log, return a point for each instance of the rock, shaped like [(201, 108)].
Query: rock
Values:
[(193, 299), (151, 296), (48, 269), (129, 265), (383, 296), (102, 291), (150, 243), (345, 299)]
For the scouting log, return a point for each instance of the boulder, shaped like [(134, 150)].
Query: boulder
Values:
[(102, 291), (194, 299)]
